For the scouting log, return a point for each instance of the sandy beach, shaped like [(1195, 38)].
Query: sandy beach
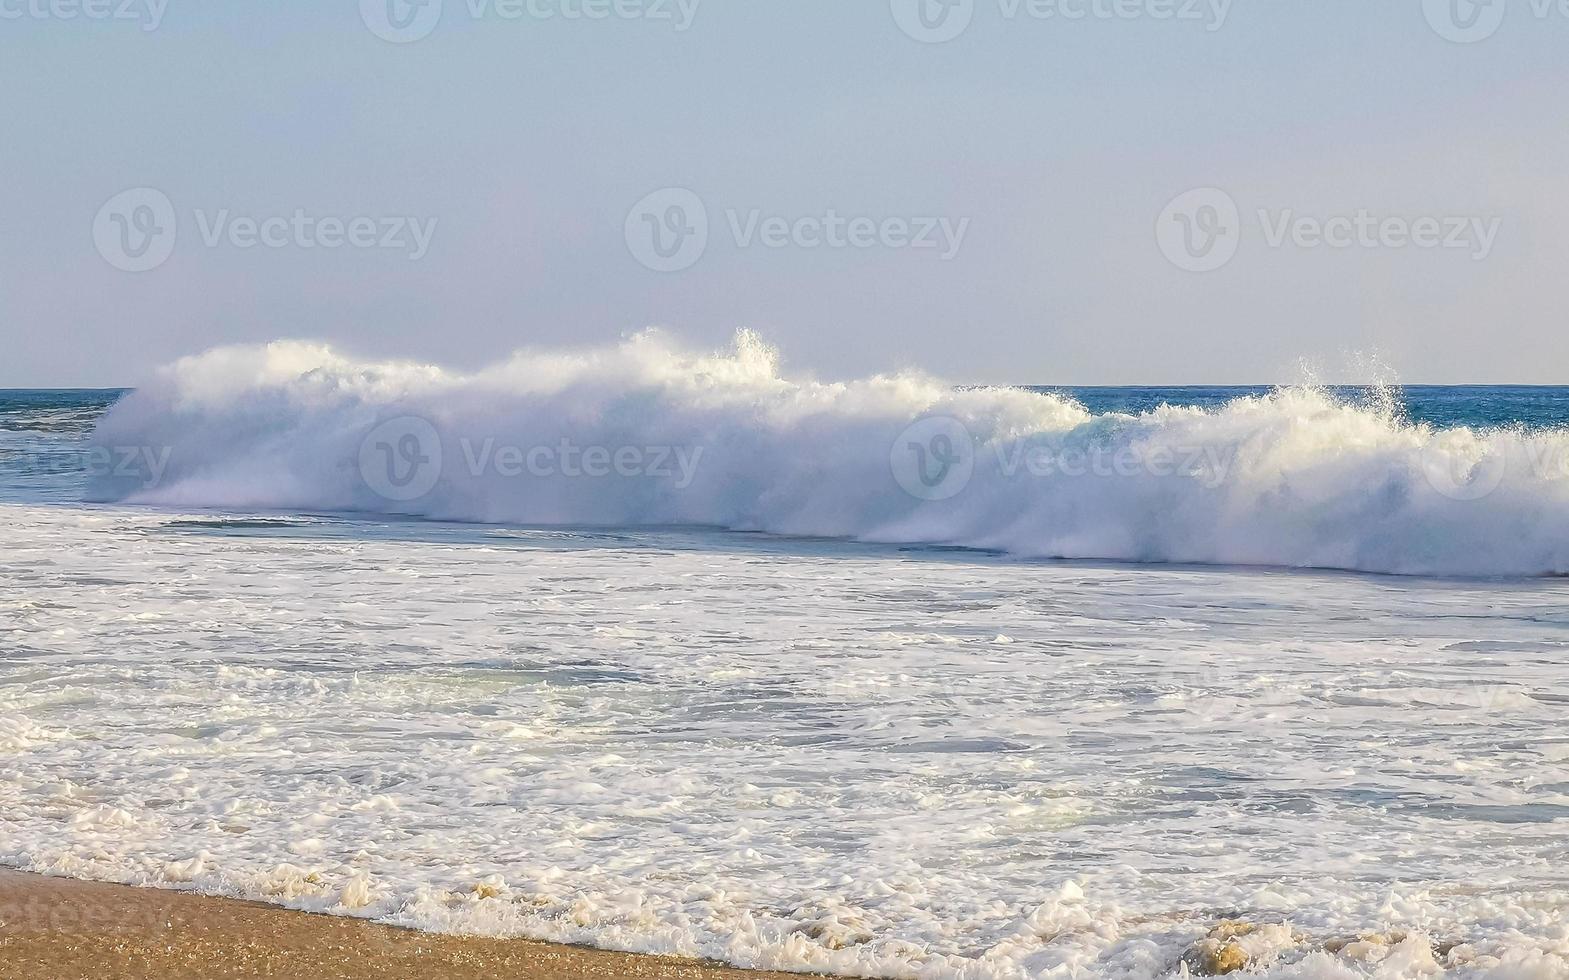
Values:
[(65, 929)]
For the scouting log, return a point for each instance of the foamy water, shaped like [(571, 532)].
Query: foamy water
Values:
[(1296, 478), (785, 754), (862, 752)]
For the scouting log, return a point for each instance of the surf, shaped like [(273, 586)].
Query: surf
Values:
[(1296, 477)]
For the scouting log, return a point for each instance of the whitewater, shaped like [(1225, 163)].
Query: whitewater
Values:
[(1011, 686), (1298, 477)]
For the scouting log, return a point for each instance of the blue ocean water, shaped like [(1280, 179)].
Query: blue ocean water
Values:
[(53, 410), (43, 441), (1446, 406)]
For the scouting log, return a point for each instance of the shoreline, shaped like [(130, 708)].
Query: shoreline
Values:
[(66, 928)]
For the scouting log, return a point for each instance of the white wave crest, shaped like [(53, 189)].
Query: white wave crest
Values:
[(648, 433)]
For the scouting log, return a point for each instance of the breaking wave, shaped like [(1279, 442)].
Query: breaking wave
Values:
[(648, 433)]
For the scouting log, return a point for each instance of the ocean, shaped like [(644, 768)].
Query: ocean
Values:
[(676, 653)]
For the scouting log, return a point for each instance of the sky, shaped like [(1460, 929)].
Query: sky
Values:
[(994, 191)]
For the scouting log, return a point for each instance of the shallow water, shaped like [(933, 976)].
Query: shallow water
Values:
[(761, 751)]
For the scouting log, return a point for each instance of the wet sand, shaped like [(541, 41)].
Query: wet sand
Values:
[(63, 929)]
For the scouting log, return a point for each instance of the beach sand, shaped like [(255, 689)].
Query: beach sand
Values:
[(63, 929)]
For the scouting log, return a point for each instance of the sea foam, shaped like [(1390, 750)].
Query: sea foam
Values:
[(1297, 477)]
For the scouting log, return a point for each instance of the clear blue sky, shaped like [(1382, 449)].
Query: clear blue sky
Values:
[(1056, 142)]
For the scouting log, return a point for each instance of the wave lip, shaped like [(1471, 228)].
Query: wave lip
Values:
[(647, 433)]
